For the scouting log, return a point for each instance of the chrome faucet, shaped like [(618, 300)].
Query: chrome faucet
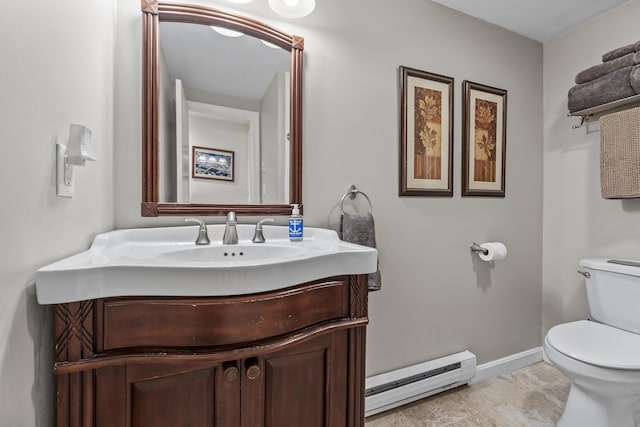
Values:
[(230, 236), (203, 237), (258, 237)]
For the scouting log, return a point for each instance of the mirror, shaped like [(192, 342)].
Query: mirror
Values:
[(212, 143)]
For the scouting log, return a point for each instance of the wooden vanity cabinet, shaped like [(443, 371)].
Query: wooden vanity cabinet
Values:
[(292, 357)]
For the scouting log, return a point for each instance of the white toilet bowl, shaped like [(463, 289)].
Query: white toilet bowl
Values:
[(603, 364)]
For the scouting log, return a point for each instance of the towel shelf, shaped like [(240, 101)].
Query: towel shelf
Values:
[(589, 114)]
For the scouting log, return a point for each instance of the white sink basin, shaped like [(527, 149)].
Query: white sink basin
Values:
[(243, 254), (167, 262)]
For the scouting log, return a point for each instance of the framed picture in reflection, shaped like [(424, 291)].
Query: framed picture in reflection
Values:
[(211, 163)]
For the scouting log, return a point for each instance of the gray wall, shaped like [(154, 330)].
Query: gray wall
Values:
[(57, 69), (578, 222), (436, 298), (167, 168), (274, 110), (220, 134)]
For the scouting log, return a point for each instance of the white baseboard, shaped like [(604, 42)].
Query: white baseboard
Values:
[(507, 365)]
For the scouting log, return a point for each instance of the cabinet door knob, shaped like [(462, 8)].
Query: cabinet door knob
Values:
[(230, 373), (253, 372)]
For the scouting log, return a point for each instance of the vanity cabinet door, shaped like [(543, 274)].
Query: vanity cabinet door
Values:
[(168, 395), (304, 385)]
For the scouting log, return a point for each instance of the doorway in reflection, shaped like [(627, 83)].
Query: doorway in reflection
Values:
[(222, 93)]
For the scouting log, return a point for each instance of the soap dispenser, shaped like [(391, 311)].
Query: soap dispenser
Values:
[(296, 225)]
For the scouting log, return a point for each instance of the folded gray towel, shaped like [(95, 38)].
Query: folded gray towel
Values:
[(360, 229), (611, 87), (620, 51), (635, 79), (600, 70)]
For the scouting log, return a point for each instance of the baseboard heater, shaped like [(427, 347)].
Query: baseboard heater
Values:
[(405, 385)]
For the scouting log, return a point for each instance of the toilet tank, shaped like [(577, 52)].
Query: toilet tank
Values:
[(613, 292)]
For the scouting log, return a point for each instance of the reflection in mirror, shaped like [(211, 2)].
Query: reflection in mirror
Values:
[(234, 100), (226, 93)]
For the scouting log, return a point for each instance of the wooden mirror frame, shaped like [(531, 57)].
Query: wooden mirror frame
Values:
[(152, 13)]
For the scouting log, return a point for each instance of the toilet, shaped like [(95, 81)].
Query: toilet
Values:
[(601, 356)]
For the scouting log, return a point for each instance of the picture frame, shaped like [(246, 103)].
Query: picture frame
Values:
[(484, 140), (212, 163), (426, 133)]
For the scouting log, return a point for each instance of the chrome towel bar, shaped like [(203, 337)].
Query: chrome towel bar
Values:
[(351, 193)]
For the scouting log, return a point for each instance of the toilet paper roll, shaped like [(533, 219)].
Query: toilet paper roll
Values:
[(495, 251)]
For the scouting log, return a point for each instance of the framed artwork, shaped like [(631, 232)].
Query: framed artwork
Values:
[(426, 133), (484, 140), (211, 163)]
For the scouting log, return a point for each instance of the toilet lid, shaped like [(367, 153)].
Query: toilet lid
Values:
[(596, 344)]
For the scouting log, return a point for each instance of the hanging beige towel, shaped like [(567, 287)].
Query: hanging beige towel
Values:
[(620, 154)]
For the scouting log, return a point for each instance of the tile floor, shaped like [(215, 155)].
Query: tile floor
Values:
[(532, 396)]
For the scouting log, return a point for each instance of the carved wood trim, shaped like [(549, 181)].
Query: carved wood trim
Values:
[(295, 119), (176, 209), (357, 359), (359, 296), (149, 6), (150, 110), (149, 209), (74, 341), (297, 42), (75, 396), (74, 331), (216, 355)]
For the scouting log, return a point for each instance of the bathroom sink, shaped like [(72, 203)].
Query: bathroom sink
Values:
[(165, 261), (233, 254)]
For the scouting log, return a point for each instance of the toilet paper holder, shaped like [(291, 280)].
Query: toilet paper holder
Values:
[(477, 248)]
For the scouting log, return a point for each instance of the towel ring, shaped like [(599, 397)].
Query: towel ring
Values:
[(352, 193)]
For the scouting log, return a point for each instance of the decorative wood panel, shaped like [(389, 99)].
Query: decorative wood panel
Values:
[(184, 399), (204, 322), (75, 399), (74, 341), (303, 376), (357, 360), (298, 42), (359, 296), (149, 6), (74, 331), (149, 209), (306, 385), (111, 396)]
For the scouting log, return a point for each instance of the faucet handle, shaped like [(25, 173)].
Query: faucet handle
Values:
[(203, 237), (262, 221), (258, 237)]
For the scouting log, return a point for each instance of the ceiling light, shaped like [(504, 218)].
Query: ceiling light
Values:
[(226, 32), (292, 8)]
